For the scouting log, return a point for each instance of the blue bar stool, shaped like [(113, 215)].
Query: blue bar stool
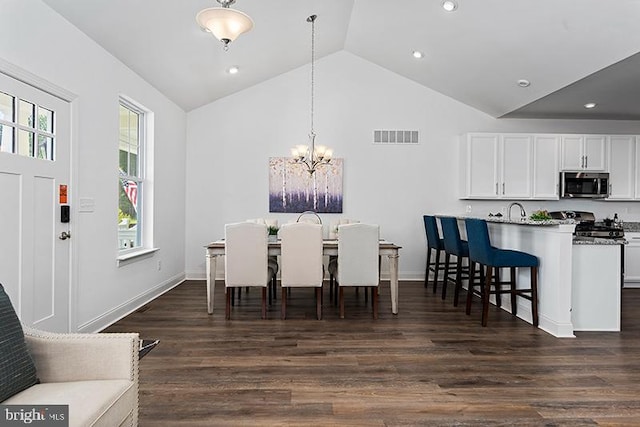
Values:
[(434, 242), (454, 245), (481, 252)]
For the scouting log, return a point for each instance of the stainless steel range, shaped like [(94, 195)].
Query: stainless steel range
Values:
[(586, 225)]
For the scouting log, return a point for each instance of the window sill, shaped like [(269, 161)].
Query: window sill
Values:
[(130, 257)]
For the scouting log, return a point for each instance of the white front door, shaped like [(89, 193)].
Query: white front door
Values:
[(34, 164)]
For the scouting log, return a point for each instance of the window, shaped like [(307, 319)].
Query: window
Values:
[(26, 128), (131, 180)]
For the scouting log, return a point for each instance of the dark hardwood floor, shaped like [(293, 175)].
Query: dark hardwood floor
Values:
[(429, 365)]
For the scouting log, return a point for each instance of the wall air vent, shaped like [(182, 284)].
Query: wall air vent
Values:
[(396, 137)]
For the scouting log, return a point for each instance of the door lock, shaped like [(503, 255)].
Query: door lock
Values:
[(64, 235)]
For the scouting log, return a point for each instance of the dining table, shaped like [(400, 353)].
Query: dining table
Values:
[(329, 247)]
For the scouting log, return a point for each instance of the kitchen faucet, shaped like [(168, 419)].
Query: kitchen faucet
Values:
[(523, 214)]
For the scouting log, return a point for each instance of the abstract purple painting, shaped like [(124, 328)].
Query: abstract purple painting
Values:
[(292, 189)]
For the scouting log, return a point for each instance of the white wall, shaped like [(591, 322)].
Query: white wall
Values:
[(229, 143), (37, 39)]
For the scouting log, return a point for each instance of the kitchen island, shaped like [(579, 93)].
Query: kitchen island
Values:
[(571, 284)]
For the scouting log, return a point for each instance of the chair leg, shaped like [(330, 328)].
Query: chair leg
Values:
[(274, 286), (512, 284), (283, 306), (435, 273), (485, 296), (341, 301), (330, 287), (227, 310), (534, 295), (445, 279), (374, 297), (319, 303), (264, 302), (426, 274), (472, 267), (498, 287), (458, 285)]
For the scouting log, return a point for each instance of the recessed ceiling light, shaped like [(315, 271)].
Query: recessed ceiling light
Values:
[(417, 54), (590, 105), (524, 83), (449, 5), (233, 70)]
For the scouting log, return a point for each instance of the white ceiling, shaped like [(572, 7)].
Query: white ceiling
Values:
[(572, 51)]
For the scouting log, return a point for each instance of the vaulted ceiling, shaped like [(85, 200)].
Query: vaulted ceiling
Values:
[(571, 51)]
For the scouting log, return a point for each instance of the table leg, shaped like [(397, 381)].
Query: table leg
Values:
[(211, 280), (393, 273)]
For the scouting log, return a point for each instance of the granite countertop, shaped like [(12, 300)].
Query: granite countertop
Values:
[(521, 221), (527, 221), (631, 227)]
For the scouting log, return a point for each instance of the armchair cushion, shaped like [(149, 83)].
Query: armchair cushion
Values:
[(17, 370), (91, 403), (95, 374)]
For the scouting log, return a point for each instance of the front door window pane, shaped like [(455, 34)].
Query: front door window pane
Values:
[(45, 147), (45, 120), (6, 139), (26, 113), (6, 107), (25, 143), (26, 129)]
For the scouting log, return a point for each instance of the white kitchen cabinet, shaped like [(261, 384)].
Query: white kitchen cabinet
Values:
[(622, 167), (583, 152), (510, 166), (480, 164), (632, 260), (636, 173), (546, 174), (496, 166), (515, 163), (595, 287)]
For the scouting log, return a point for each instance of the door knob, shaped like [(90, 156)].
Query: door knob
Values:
[(64, 235)]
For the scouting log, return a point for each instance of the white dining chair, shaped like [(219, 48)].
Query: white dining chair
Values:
[(246, 260), (273, 260), (358, 261), (332, 266), (301, 261)]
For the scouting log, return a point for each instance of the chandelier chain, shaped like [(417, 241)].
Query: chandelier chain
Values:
[(313, 61), (312, 156)]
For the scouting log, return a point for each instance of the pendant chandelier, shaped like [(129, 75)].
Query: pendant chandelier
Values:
[(224, 23), (312, 156)]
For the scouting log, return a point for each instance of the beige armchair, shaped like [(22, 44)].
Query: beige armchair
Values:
[(95, 374)]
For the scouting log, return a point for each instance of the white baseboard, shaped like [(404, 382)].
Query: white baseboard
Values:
[(101, 322)]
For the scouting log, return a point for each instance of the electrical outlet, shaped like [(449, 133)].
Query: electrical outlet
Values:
[(159, 265)]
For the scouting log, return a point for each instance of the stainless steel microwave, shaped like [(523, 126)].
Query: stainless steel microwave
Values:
[(592, 185)]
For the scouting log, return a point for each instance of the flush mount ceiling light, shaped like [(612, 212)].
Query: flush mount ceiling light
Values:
[(417, 54), (224, 23), (449, 5), (524, 83), (590, 105)]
